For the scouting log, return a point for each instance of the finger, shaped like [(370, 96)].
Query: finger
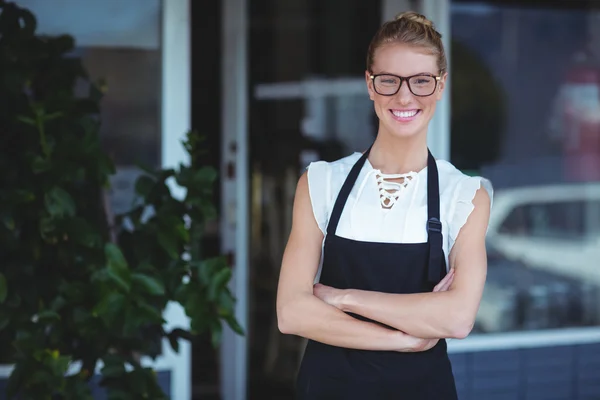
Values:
[(447, 285), (442, 283), (445, 282), (448, 281)]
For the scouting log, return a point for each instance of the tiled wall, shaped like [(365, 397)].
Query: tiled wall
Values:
[(546, 373)]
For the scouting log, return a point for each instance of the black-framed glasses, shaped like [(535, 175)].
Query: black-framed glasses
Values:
[(421, 85)]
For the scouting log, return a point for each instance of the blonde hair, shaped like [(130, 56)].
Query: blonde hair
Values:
[(413, 29)]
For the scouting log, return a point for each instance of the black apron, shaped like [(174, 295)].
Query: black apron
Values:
[(330, 372)]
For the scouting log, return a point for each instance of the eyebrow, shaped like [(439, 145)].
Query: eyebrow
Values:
[(391, 73)]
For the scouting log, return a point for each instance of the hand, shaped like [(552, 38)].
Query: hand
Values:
[(328, 294), (411, 344), (424, 344), (446, 282)]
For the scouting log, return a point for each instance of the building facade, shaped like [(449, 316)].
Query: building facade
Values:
[(278, 84), (522, 109)]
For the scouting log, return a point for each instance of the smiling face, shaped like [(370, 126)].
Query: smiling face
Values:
[(403, 114)]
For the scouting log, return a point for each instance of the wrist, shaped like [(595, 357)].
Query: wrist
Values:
[(406, 343), (344, 300), (403, 342)]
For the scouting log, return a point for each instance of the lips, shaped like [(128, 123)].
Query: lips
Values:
[(405, 115)]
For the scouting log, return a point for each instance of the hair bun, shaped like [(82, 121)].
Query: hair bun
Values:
[(415, 17)]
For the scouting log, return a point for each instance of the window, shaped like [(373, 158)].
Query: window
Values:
[(526, 114)]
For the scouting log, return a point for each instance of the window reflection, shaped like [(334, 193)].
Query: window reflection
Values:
[(539, 69)]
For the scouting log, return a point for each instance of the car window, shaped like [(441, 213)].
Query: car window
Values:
[(569, 220)]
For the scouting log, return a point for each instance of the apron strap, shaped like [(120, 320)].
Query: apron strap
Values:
[(340, 202), (436, 268)]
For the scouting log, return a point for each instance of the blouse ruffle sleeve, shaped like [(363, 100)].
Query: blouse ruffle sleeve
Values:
[(462, 203)]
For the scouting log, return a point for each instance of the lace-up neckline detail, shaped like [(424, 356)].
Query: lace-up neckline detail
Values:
[(391, 186)]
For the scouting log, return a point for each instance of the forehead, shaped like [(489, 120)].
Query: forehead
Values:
[(404, 60)]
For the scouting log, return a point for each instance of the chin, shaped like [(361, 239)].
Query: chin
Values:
[(405, 133)]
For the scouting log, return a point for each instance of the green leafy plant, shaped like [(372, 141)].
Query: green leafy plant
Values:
[(81, 291)]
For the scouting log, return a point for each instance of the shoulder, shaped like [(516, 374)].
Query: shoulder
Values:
[(327, 176), (340, 166), (461, 194), (324, 180)]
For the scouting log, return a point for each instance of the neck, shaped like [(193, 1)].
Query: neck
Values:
[(393, 155)]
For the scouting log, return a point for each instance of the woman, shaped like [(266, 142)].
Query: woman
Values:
[(383, 226)]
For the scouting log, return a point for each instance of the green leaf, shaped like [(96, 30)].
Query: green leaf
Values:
[(205, 175), (218, 283), (207, 268), (40, 164), (48, 315), (3, 288), (120, 278), (8, 221), (50, 117), (148, 284), (113, 370), (81, 232), (148, 169), (114, 255), (60, 365), (182, 334), (216, 332), (58, 303), (59, 203), (226, 302), (169, 244), (118, 394), (22, 196), (174, 341), (4, 320), (234, 325), (150, 313), (118, 270), (114, 366), (109, 307), (144, 185), (47, 228), (181, 293), (26, 120), (100, 276), (139, 316)]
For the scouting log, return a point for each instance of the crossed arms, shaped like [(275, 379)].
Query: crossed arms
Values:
[(319, 312)]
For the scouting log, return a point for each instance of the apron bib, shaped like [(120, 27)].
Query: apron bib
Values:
[(330, 372)]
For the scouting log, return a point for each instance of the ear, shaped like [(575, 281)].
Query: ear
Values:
[(370, 85), (441, 86)]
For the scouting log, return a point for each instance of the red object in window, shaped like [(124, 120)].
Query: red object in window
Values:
[(581, 113)]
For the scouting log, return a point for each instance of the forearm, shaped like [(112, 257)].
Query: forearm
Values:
[(309, 317), (425, 315)]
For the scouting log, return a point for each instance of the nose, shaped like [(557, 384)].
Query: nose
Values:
[(404, 94)]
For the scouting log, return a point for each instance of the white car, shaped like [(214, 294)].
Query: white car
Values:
[(555, 228), (544, 259)]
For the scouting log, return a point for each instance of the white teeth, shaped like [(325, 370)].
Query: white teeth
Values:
[(404, 114)]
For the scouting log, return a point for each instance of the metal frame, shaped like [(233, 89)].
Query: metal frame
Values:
[(235, 195), (175, 123), (438, 137)]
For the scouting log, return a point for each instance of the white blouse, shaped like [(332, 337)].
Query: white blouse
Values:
[(380, 210)]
